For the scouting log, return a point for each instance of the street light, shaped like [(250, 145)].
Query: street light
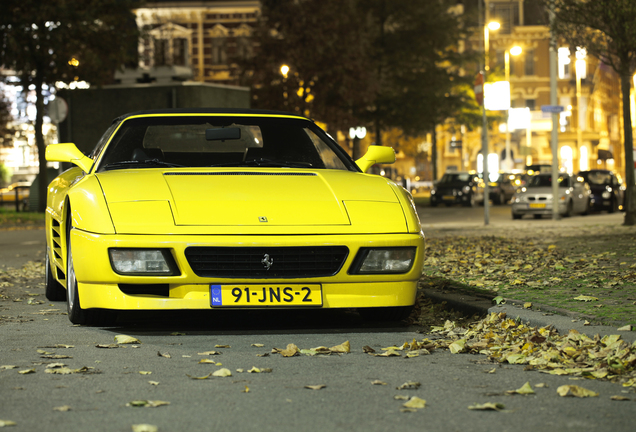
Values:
[(515, 51), (493, 25), (579, 67), (284, 71)]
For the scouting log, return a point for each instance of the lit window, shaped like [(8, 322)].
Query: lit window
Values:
[(564, 63)]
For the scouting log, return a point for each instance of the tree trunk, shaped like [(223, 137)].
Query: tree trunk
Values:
[(630, 199), (434, 153), (39, 140), (378, 132)]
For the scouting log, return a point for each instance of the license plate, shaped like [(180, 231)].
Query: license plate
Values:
[(448, 197), (537, 205), (265, 295)]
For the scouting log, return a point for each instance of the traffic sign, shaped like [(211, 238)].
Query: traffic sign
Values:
[(554, 109)]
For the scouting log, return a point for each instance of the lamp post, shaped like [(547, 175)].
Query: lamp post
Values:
[(579, 67), (515, 51), (493, 25)]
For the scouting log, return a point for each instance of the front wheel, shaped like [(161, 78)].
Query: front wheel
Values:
[(54, 291), (380, 314), (76, 314)]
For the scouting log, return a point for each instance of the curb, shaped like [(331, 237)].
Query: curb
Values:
[(538, 316)]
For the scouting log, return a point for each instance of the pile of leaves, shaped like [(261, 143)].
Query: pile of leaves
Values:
[(505, 340), (602, 269)]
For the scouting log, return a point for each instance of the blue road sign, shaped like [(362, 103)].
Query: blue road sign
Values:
[(552, 108)]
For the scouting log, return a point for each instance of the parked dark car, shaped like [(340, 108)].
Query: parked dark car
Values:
[(503, 188), (607, 188), (458, 188)]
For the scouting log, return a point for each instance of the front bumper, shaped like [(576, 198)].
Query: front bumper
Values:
[(99, 285), (525, 208)]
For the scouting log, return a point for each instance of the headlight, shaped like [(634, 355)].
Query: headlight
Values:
[(383, 260), (143, 262), (466, 189), (433, 191), (607, 195)]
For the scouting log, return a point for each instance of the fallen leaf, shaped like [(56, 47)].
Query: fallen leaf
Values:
[(166, 355), (585, 298), (5, 367), (625, 328), (4, 423), (221, 346), (177, 334), (56, 356), (410, 385), (59, 371), (491, 371), (258, 345), (144, 428), (125, 339), (367, 349), (499, 300), (378, 382), (401, 397), (540, 385), (620, 398), (62, 408), (457, 346), (107, 346), (154, 383), (27, 371), (525, 389), (390, 353), (254, 370), (147, 403), (342, 348), (145, 372), (210, 353), (222, 373), (488, 406), (527, 305), (247, 389), (576, 391), (262, 355), (202, 361), (315, 387), (200, 378), (290, 351), (415, 402)]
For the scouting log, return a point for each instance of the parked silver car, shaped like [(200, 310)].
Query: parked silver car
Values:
[(535, 198)]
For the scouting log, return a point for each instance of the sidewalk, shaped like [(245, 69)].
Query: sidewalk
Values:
[(587, 251)]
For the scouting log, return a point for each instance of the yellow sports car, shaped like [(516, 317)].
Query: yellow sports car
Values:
[(221, 209)]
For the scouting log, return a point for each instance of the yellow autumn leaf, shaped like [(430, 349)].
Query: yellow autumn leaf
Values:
[(415, 402), (457, 346), (200, 378), (527, 305), (525, 389), (221, 346), (342, 348), (27, 371), (4, 423), (576, 391), (125, 339), (315, 387), (62, 408), (209, 353), (223, 372), (390, 353), (488, 406), (516, 359), (144, 427), (620, 398), (147, 403), (207, 361), (585, 298), (290, 351)]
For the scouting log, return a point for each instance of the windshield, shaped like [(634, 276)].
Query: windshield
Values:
[(222, 141), (455, 177), (598, 178), (543, 180)]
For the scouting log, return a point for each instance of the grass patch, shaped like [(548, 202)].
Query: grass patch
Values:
[(13, 219)]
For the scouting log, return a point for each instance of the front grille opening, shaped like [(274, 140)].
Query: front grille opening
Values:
[(162, 290), (266, 262)]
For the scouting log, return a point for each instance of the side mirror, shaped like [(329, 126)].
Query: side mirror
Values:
[(68, 152), (376, 154)]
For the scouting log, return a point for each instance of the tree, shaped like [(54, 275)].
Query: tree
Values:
[(64, 40), (360, 62), (607, 30)]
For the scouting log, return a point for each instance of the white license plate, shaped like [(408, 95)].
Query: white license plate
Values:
[(265, 295)]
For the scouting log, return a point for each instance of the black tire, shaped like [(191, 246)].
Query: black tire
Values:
[(77, 315), (516, 216), (54, 291), (381, 314), (471, 201)]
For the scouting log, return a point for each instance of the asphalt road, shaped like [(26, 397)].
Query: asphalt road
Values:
[(278, 400)]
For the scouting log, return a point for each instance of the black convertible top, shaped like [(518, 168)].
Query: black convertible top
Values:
[(230, 111)]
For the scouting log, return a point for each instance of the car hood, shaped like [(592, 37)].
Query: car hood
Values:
[(253, 200)]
